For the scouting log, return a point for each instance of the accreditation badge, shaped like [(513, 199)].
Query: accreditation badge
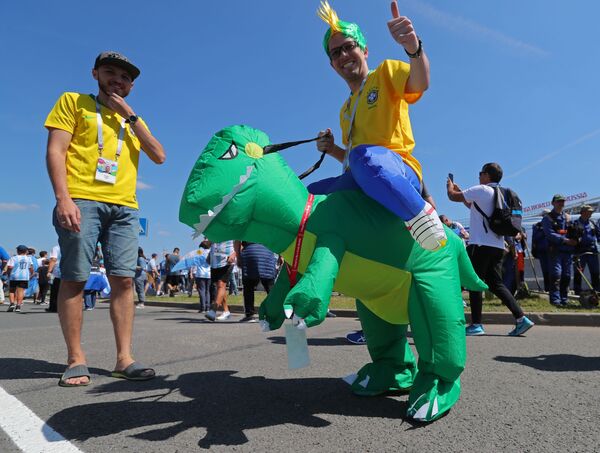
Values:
[(106, 170)]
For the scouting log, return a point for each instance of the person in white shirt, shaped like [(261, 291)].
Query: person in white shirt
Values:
[(201, 273), (153, 274), (486, 248), (222, 258), (20, 270), (43, 255), (54, 275)]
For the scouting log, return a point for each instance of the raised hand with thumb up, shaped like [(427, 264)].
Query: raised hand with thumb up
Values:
[(401, 29)]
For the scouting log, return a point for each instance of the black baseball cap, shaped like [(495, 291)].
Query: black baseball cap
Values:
[(558, 197), (117, 59)]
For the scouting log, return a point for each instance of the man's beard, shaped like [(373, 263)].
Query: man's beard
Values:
[(107, 90)]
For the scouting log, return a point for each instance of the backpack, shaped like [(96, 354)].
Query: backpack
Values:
[(507, 215)]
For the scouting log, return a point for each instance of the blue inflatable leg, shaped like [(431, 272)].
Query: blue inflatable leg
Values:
[(335, 184), (383, 176)]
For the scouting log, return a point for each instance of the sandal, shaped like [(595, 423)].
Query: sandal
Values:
[(75, 372), (134, 372)]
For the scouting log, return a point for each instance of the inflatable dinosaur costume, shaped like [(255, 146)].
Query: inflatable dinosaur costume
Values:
[(351, 245)]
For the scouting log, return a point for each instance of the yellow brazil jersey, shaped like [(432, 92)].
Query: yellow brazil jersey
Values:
[(76, 114), (382, 114)]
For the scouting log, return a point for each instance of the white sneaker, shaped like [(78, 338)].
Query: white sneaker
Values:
[(211, 315), (427, 229), (223, 316)]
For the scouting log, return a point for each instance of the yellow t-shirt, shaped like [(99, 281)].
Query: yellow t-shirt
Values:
[(382, 114), (76, 114)]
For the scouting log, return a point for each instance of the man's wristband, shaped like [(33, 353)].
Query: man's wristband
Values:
[(417, 53)]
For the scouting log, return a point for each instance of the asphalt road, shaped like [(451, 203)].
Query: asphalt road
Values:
[(226, 387)]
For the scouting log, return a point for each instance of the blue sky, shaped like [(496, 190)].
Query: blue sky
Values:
[(513, 82)]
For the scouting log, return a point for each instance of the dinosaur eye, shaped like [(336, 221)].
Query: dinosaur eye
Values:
[(231, 153)]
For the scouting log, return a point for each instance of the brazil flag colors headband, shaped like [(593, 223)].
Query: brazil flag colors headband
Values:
[(348, 29)]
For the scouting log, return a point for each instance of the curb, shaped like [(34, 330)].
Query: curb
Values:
[(542, 319)]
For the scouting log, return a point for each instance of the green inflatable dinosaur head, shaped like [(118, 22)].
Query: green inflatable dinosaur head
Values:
[(219, 199)]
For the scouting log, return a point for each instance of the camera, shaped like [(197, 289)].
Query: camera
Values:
[(574, 231)]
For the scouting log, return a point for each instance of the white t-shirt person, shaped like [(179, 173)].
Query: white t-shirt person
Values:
[(483, 195), (21, 267), (55, 254)]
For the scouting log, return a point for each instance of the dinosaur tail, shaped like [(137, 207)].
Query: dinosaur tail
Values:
[(468, 278)]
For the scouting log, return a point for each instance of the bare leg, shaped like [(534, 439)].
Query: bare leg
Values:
[(70, 296), (121, 314), (20, 296), (221, 299)]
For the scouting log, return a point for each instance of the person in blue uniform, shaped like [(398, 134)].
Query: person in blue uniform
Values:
[(539, 249), (560, 251), (586, 252)]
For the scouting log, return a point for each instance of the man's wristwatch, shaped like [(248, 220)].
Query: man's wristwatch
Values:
[(417, 53), (132, 119)]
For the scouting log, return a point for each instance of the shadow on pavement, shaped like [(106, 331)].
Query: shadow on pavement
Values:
[(18, 368), (225, 405), (339, 341), (555, 362)]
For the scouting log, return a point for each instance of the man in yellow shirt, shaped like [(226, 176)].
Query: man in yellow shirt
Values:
[(92, 156), (375, 124)]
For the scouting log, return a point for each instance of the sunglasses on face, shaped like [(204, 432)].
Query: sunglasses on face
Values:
[(348, 47)]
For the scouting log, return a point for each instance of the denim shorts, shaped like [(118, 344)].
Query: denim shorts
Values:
[(116, 227)]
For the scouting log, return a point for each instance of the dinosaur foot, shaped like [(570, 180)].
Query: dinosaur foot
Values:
[(434, 402), (378, 378)]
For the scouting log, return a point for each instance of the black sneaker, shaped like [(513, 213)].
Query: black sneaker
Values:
[(17, 308), (11, 307)]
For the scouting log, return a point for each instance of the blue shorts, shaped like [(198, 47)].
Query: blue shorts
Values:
[(116, 227)]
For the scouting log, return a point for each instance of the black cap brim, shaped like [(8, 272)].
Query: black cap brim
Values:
[(133, 71)]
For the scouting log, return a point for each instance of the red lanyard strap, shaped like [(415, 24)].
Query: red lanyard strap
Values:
[(293, 272)]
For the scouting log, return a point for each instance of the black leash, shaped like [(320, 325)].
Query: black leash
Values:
[(281, 146)]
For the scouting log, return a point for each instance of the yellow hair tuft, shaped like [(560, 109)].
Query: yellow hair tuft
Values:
[(329, 16)]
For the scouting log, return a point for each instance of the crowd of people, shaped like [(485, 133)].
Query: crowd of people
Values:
[(565, 248), (557, 242), (215, 270), (26, 275)]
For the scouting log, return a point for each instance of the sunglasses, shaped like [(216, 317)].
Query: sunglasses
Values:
[(348, 47)]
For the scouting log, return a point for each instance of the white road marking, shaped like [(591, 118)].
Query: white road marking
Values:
[(29, 432)]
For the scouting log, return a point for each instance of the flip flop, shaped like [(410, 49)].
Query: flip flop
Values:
[(75, 372), (134, 372)]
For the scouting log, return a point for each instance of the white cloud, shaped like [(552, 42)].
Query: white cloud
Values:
[(143, 186), (461, 25), (164, 233), (17, 207)]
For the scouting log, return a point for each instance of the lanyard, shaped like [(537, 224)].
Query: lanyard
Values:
[(293, 272), (351, 118), (101, 138)]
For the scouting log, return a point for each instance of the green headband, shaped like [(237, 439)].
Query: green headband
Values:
[(348, 29)]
